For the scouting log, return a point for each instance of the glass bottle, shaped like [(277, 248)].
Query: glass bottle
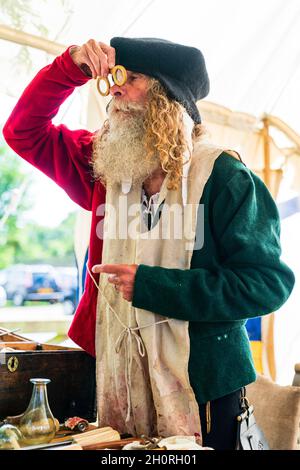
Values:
[(10, 437), (37, 424)]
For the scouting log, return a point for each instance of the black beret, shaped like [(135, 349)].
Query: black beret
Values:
[(180, 69)]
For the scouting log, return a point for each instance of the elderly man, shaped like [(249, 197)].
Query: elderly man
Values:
[(166, 318)]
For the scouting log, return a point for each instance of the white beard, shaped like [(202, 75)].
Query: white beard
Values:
[(119, 155)]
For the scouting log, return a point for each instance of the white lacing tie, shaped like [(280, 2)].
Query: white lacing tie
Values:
[(126, 336)]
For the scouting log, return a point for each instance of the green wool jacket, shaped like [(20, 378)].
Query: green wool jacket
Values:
[(236, 275)]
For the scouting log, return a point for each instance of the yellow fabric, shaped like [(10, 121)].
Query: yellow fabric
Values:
[(256, 349)]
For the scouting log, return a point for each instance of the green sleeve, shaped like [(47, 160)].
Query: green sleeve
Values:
[(250, 279)]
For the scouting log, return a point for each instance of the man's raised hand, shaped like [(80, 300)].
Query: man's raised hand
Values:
[(99, 57)]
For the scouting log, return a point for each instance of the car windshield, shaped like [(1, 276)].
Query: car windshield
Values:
[(43, 279)]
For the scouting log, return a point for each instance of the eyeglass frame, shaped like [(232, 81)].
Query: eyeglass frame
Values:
[(113, 73)]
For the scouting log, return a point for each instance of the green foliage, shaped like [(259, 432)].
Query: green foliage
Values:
[(12, 178), (22, 15), (22, 242), (18, 14), (48, 245), (12, 187)]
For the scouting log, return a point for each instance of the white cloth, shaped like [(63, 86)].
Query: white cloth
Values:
[(153, 359), (149, 207)]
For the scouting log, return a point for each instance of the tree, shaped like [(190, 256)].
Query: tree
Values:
[(48, 245), (14, 200), (22, 241), (25, 16)]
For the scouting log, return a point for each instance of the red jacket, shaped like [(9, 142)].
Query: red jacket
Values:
[(64, 156)]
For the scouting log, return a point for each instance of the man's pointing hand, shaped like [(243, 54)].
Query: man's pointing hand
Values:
[(121, 275)]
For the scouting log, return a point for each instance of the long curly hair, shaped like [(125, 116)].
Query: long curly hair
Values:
[(164, 132)]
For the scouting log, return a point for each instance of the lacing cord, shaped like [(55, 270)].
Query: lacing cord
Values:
[(126, 337)]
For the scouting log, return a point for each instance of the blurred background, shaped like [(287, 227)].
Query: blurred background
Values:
[(252, 51)]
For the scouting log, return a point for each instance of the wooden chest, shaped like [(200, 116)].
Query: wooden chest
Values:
[(72, 391)]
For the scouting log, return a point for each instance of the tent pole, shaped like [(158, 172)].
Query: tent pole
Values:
[(31, 40), (267, 324), (267, 159)]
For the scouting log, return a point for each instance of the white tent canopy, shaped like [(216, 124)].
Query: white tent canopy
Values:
[(251, 47)]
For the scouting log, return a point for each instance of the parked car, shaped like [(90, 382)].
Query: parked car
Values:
[(24, 282), (68, 282)]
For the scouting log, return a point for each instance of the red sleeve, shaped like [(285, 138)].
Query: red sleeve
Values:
[(60, 153)]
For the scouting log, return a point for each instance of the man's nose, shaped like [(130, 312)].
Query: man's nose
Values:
[(116, 90)]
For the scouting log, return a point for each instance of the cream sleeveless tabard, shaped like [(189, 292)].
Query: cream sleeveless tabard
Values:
[(141, 357)]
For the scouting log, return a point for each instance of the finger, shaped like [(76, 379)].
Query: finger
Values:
[(127, 296), (87, 59), (97, 268), (99, 57), (102, 61), (96, 61), (119, 269), (113, 278), (110, 268), (111, 54)]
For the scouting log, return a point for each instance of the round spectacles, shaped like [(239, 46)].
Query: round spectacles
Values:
[(118, 75)]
